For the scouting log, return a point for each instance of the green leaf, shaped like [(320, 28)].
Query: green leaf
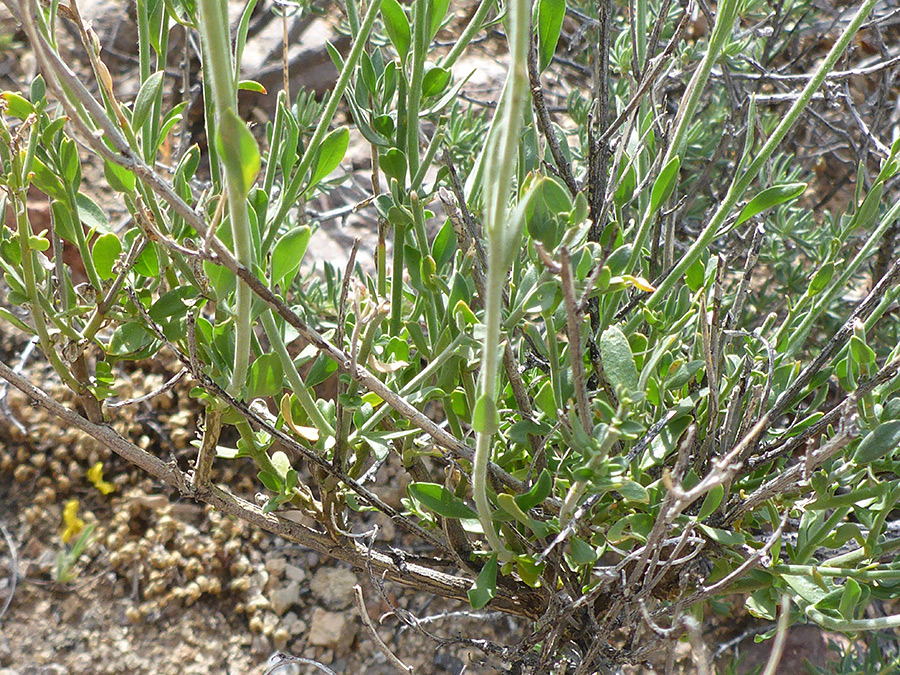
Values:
[(519, 432), (251, 85), (105, 252), (281, 463), (773, 196), (618, 361), (92, 215), (821, 279), (485, 586), (439, 499), (270, 480), (46, 181), (435, 81), (581, 552), (724, 537), (860, 351), (119, 178), (626, 186), (550, 20), (397, 26), (393, 163), (238, 150), (884, 439), (17, 105), (38, 89), (529, 571), (438, 12), (538, 493), (665, 183), (849, 598), (545, 401), (633, 491), (265, 377), (70, 163), (331, 152), (287, 255), (711, 502), (6, 315), (171, 304), (147, 94), (130, 341), (321, 370)]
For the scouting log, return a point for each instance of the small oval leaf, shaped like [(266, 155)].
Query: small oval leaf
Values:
[(105, 252), (618, 361), (331, 152), (397, 26), (147, 94), (884, 439), (550, 20), (439, 499), (485, 586), (665, 183), (773, 196)]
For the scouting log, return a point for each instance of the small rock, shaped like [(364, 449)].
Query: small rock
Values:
[(298, 627), (295, 573), (333, 586), (285, 597), (333, 630), (280, 638), (257, 603), (275, 567)]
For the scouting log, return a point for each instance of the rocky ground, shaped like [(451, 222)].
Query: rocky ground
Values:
[(168, 586)]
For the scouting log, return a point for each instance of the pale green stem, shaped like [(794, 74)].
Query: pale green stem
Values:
[(499, 154), (301, 391), (37, 314), (218, 68), (421, 31), (468, 33), (740, 185)]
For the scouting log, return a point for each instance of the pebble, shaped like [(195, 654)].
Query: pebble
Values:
[(275, 566), (295, 573), (333, 586), (333, 630), (285, 597)]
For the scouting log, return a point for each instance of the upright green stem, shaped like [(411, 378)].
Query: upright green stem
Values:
[(468, 33), (740, 184), (297, 384), (219, 70), (421, 31), (499, 163), (37, 314)]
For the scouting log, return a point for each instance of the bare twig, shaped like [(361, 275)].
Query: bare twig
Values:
[(169, 384), (546, 124), (382, 647), (573, 329), (13, 568)]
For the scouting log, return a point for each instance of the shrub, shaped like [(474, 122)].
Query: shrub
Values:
[(616, 354)]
